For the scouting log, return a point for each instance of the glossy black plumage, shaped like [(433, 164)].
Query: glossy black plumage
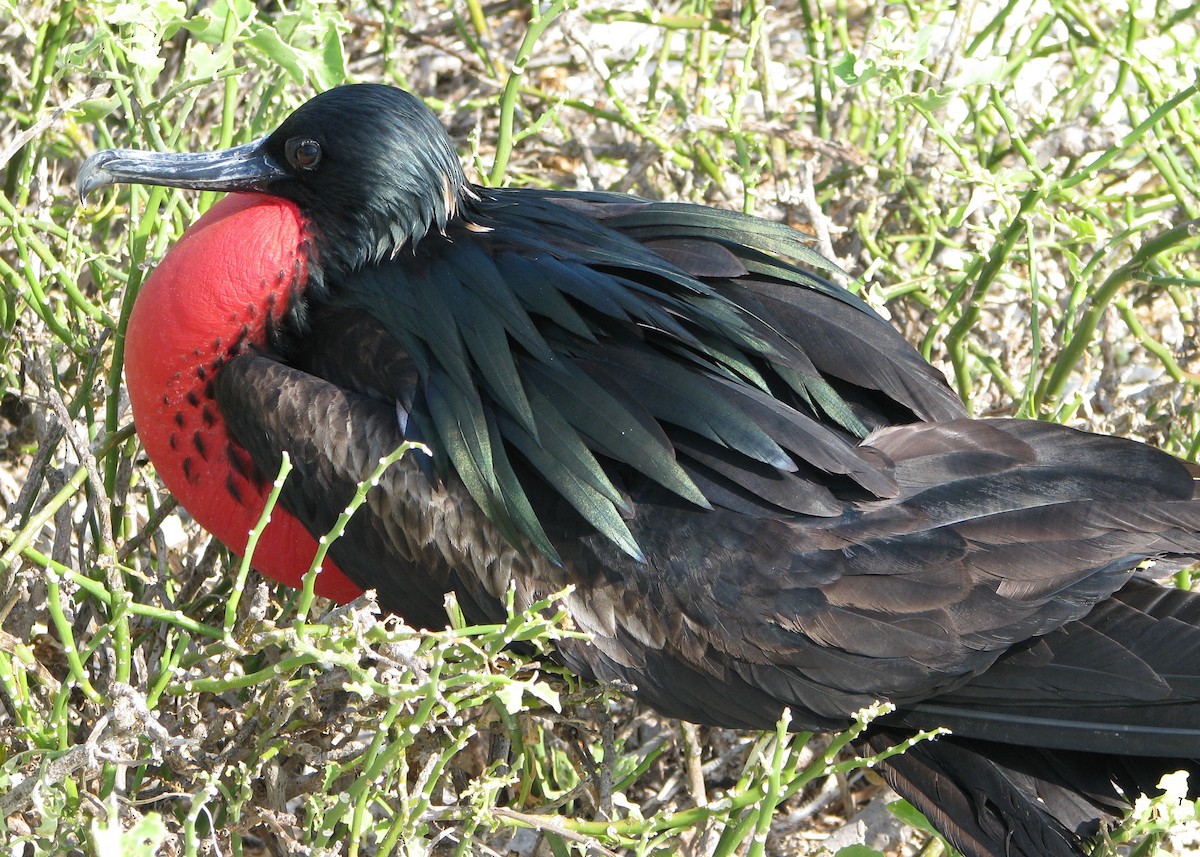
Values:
[(761, 494)]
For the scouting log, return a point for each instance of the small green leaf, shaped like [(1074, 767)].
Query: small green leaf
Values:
[(330, 71), (911, 816), (977, 71), (547, 694), (142, 840), (854, 70)]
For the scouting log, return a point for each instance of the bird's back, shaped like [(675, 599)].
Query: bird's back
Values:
[(761, 494)]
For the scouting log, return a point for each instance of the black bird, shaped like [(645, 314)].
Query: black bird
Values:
[(763, 497)]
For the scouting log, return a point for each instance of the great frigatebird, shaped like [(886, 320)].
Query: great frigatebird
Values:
[(762, 496)]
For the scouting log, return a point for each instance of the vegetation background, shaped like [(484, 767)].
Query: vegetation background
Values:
[(1015, 182)]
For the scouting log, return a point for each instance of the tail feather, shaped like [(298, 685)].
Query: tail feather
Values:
[(1000, 800)]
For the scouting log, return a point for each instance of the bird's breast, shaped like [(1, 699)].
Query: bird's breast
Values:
[(210, 299)]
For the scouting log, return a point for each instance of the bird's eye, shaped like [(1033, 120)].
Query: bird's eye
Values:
[(303, 154)]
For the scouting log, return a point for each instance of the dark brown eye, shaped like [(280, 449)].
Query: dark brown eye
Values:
[(303, 154)]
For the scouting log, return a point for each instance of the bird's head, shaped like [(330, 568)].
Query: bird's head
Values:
[(369, 166)]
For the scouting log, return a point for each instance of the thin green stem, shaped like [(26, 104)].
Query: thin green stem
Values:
[(508, 98)]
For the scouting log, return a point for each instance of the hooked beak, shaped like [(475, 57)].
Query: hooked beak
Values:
[(243, 168)]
